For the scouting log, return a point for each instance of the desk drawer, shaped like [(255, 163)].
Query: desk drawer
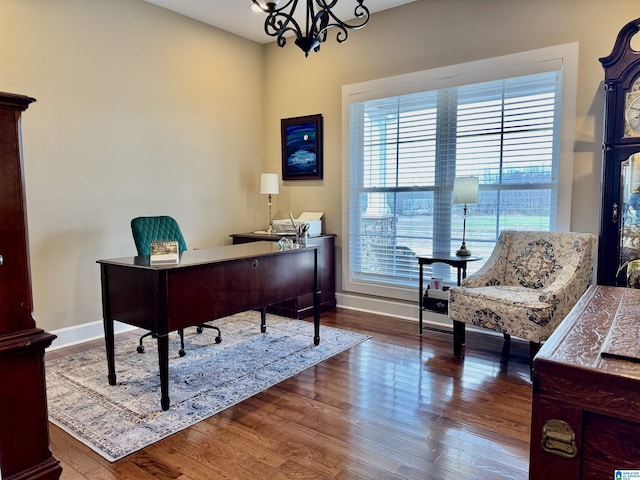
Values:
[(218, 290)]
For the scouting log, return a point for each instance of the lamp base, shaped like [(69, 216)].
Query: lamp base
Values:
[(462, 251)]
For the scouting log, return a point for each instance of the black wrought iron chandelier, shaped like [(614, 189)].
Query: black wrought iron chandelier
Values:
[(320, 18)]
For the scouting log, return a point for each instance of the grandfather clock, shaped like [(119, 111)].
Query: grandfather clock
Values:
[(619, 244), (24, 427)]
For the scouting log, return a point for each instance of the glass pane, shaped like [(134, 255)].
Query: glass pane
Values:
[(406, 152), (629, 262)]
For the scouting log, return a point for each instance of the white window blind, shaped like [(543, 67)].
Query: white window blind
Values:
[(406, 150)]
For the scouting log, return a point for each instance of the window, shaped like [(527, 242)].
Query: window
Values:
[(406, 148)]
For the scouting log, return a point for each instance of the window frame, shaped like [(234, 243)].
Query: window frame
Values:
[(530, 62)]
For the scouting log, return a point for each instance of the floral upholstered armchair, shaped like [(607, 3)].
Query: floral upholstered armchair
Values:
[(526, 287)]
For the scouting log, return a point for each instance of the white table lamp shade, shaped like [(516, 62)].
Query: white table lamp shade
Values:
[(269, 184), (465, 190)]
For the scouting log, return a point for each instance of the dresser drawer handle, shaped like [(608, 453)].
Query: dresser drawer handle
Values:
[(558, 438), (254, 263)]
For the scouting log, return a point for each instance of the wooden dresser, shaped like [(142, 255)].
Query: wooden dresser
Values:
[(302, 307), (585, 421)]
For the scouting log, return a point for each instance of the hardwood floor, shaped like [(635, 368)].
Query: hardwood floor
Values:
[(396, 406)]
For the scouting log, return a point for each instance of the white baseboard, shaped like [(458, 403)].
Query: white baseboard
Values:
[(393, 308), (404, 310), (83, 333), (382, 306)]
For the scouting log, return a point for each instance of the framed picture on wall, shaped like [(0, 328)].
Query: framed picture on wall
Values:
[(302, 148)]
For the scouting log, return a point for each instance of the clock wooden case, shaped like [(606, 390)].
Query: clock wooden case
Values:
[(24, 428), (619, 245)]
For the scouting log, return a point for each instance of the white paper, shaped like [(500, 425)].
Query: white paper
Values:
[(309, 216)]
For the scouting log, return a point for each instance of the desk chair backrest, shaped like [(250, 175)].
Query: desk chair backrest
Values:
[(148, 229)]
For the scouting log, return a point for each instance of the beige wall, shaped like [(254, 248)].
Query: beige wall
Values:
[(139, 111), (142, 111), (435, 33)]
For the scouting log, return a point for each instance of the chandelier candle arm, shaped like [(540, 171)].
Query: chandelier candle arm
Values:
[(319, 18)]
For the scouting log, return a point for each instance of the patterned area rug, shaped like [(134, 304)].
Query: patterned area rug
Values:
[(118, 420)]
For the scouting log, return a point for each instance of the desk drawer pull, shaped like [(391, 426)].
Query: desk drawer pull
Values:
[(558, 438), (254, 263)]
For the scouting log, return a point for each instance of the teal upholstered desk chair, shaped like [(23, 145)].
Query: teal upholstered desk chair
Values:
[(148, 229)]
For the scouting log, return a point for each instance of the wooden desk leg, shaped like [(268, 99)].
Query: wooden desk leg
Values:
[(263, 319), (316, 318), (163, 364), (108, 327), (316, 299), (110, 346)]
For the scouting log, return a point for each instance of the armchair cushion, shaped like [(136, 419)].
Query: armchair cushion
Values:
[(528, 284)]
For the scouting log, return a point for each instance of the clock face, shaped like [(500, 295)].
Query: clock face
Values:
[(632, 118)]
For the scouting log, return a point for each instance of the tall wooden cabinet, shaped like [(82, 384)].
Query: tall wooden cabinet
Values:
[(619, 245), (24, 427)]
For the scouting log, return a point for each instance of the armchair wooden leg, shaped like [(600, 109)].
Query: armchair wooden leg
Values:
[(458, 339), (506, 347)]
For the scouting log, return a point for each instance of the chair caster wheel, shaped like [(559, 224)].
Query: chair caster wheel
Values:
[(181, 352), (140, 349), (199, 329), (218, 339)]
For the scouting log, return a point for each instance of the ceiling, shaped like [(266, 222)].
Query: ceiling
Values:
[(236, 16)]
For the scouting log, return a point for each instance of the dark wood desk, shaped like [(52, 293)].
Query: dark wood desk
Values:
[(586, 406), (302, 307), (205, 285)]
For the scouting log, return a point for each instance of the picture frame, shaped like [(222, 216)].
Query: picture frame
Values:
[(302, 139)]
